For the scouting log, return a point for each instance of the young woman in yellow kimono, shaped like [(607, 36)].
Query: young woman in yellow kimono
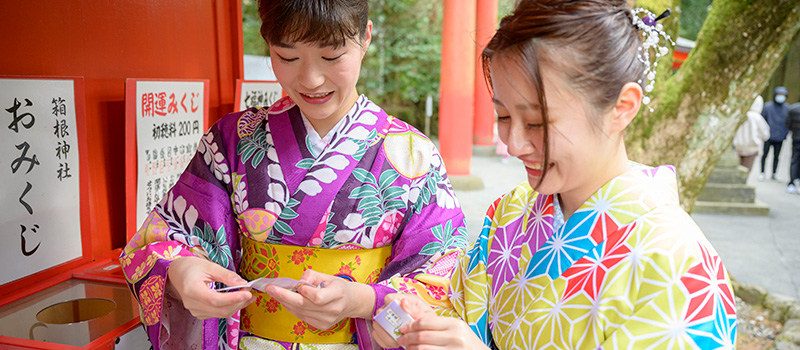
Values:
[(594, 250), (323, 186)]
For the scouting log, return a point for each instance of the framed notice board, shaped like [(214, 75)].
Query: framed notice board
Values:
[(164, 122), (44, 192), (256, 93)]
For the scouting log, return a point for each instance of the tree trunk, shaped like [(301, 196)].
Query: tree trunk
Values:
[(698, 109)]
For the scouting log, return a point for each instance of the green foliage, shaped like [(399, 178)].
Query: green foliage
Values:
[(403, 62), (251, 30), (402, 65), (693, 14), (504, 8)]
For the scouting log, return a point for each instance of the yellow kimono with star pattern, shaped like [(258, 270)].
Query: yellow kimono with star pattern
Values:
[(628, 270)]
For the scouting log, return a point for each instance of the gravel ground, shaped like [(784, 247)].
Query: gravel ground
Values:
[(754, 328)]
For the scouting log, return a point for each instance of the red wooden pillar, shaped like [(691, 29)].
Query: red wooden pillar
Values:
[(486, 24), (457, 83)]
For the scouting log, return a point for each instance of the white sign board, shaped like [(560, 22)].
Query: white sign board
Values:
[(170, 119), (257, 94), (39, 163)]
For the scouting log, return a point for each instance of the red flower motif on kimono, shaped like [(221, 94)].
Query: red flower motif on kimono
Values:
[(299, 329), (245, 320), (298, 257), (346, 270), (272, 305), (308, 251), (358, 259)]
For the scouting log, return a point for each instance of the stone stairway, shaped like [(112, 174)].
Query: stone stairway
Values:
[(727, 191)]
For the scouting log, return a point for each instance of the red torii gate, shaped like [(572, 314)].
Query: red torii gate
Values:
[(466, 112)]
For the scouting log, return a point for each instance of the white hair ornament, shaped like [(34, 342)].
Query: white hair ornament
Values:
[(652, 32)]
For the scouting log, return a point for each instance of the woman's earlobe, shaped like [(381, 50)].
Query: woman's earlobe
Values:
[(627, 106)]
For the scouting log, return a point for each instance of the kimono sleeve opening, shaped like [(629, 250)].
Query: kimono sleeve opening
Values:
[(195, 218)]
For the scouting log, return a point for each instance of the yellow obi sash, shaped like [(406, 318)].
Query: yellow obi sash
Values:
[(266, 318)]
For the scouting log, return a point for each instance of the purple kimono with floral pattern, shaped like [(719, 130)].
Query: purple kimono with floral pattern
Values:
[(261, 173)]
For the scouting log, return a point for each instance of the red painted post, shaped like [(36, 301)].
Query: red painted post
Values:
[(457, 82), (486, 25)]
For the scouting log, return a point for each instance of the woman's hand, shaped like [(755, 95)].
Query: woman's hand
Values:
[(427, 331), (189, 277), (323, 307)]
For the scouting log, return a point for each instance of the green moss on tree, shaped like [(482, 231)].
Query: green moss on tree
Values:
[(698, 109)]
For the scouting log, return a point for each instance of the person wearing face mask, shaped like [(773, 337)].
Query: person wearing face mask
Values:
[(793, 125), (775, 113)]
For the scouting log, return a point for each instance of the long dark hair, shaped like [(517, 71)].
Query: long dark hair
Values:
[(593, 44), (323, 22)]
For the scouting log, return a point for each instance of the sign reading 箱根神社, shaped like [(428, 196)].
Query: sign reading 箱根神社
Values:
[(168, 117), (39, 169)]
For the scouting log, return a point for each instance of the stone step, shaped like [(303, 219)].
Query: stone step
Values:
[(728, 158), (758, 208), (733, 175), (730, 193)]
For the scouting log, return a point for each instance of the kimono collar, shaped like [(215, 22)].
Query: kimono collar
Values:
[(317, 144)]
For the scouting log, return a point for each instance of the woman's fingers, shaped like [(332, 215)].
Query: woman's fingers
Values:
[(218, 273), (433, 331), (316, 278), (429, 322), (382, 337), (317, 307), (415, 306), (285, 297), (190, 278)]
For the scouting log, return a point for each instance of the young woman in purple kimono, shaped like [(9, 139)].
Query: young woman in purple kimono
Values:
[(323, 187)]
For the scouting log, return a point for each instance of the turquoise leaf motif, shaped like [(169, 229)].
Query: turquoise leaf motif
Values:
[(445, 238), (254, 146), (388, 177), (428, 190), (376, 198), (305, 163), (288, 213), (330, 233), (363, 191), (284, 228), (214, 243), (363, 175)]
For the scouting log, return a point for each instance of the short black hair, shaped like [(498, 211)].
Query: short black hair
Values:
[(324, 22)]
